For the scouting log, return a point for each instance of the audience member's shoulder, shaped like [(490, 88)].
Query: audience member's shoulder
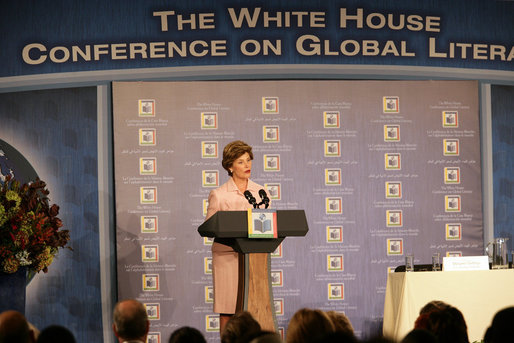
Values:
[(502, 327)]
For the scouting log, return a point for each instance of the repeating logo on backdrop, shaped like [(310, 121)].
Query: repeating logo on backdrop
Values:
[(391, 104), (333, 177), (207, 265), (149, 253), (335, 291), (277, 253), (209, 294), (212, 323), (271, 134), (209, 120), (148, 195), (451, 147), (394, 218), (146, 108), (394, 246), (452, 203), (391, 133), (450, 119), (210, 178), (274, 190), (451, 175), (331, 119), (153, 310), (270, 105), (153, 337), (149, 224), (209, 149), (393, 189), (332, 148), (147, 166), (453, 231), (150, 282), (278, 304), (147, 137), (277, 278), (335, 263), (271, 163), (392, 161), (333, 205), (334, 234)]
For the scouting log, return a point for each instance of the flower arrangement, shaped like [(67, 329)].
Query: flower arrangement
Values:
[(30, 232)]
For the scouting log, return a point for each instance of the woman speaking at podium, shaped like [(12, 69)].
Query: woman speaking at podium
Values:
[(237, 161)]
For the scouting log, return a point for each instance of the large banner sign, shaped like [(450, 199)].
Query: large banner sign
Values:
[(130, 34), (382, 170)]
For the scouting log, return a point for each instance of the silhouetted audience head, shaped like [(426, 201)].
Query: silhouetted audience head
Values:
[(338, 337), (265, 337), (419, 336), (239, 327), (56, 334), (341, 322), (130, 321), (502, 327), (14, 328), (186, 334), (307, 326), (434, 305), (448, 325)]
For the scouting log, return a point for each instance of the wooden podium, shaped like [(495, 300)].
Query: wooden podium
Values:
[(254, 291)]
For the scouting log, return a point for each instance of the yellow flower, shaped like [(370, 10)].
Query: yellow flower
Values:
[(10, 265)]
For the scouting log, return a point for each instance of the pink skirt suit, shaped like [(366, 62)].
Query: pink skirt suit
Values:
[(225, 261)]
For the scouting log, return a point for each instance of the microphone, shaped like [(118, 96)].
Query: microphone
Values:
[(264, 197), (248, 195)]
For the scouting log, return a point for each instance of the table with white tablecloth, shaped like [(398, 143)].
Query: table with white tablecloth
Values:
[(477, 294)]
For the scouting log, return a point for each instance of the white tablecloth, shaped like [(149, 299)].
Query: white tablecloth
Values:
[(477, 294)]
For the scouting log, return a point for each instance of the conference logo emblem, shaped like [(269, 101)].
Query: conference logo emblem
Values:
[(149, 224), (277, 278), (335, 291), (207, 265), (270, 105), (153, 337), (391, 133), (212, 323), (452, 203), (451, 175), (333, 205), (210, 178), (153, 310), (208, 240), (394, 246), (450, 119), (454, 253), (394, 218), (393, 190), (150, 282), (209, 120), (278, 305), (331, 119), (205, 205), (332, 148), (392, 161), (273, 190), (334, 234), (209, 149), (270, 134), (148, 195), (390, 269), (335, 263), (147, 166), (209, 294), (391, 104), (272, 163), (149, 253), (147, 137), (451, 147), (333, 177), (278, 252), (146, 108), (453, 231)]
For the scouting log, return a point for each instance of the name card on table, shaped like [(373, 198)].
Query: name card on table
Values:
[(459, 263)]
